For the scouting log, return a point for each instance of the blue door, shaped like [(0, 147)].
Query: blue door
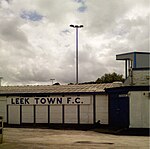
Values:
[(118, 110)]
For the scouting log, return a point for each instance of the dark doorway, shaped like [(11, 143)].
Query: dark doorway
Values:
[(119, 110)]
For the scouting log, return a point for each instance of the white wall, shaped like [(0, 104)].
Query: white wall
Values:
[(56, 114), (102, 109), (3, 108), (139, 109), (41, 114), (86, 112), (14, 114), (71, 114), (70, 111), (141, 77), (27, 114)]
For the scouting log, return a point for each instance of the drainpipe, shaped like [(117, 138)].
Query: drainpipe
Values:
[(134, 64), (131, 72)]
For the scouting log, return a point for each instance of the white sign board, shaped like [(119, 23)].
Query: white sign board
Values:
[(48, 100)]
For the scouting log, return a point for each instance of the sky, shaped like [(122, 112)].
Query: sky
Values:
[(37, 44)]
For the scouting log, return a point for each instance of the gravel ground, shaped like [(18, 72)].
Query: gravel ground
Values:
[(25, 138)]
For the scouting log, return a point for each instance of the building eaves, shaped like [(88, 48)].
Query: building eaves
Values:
[(55, 89)]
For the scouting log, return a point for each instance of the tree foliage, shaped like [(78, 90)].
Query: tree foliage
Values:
[(56, 83), (106, 78), (91, 82), (110, 77)]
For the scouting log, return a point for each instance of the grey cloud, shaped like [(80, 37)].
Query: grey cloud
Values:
[(136, 34), (57, 11), (90, 64), (10, 31), (31, 15), (34, 52), (102, 15)]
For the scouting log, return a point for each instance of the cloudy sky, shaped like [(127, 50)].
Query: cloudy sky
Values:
[(37, 44)]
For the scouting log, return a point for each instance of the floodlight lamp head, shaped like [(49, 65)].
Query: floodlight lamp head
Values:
[(71, 25)]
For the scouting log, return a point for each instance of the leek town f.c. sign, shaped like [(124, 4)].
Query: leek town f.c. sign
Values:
[(48, 100)]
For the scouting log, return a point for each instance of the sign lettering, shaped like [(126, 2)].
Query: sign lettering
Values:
[(48, 100)]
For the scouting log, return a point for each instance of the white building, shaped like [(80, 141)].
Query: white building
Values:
[(54, 104), (129, 105)]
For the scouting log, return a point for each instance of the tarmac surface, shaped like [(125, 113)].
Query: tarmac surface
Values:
[(27, 138)]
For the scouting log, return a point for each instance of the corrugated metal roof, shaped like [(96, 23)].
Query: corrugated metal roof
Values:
[(85, 88)]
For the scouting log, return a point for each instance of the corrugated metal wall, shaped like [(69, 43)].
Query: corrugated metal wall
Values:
[(102, 108), (3, 108), (139, 109), (87, 113)]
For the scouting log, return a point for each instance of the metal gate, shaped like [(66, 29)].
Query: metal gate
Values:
[(119, 110)]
